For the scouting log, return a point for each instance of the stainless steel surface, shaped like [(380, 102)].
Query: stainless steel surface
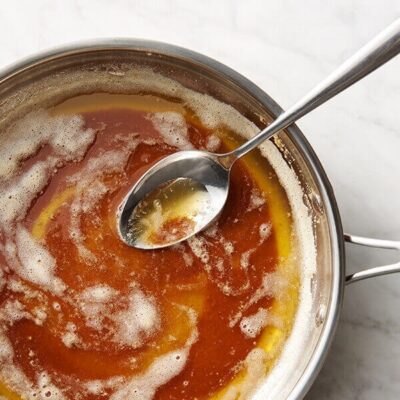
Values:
[(376, 271), (228, 86), (212, 171)]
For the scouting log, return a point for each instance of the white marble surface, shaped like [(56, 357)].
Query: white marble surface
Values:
[(284, 46)]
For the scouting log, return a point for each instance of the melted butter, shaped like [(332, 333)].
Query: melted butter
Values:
[(98, 101), (171, 212), (192, 287)]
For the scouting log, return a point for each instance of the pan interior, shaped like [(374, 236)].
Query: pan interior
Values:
[(220, 105)]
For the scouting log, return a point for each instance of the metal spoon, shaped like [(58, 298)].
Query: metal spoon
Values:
[(211, 172)]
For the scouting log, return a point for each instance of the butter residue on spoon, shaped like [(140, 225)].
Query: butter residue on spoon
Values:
[(170, 213)]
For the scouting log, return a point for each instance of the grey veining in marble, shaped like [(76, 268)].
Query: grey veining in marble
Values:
[(285, 47)]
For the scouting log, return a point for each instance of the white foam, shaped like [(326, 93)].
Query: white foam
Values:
[(273, 285), (75, 233), (6, 350), (94, 387), (265, 231), (256, 200), (65, 134), (198, 246), (213, 143), (12, 311), (40, 315), (16, 285), (245, 258), (173, 129), (68, 140), (89, 190), (188, 258), (137, 319), (159, 373), (46, 389), (193, 318), (140, 320), (26, 137), (227, 244), (70, 337), (110, 161), (162, 370), (94, 303), (212, 231), (98, 387), (253, 325), (98, 294), (16, 197), (37, 265)]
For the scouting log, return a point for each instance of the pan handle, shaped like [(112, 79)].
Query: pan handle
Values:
[(376, 271)]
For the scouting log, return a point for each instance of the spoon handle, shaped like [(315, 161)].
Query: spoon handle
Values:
[(378, 51)]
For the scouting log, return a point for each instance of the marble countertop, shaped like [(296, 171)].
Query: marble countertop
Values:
[(285, 47)]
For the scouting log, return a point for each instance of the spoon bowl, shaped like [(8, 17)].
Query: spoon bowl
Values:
[(201, 167)]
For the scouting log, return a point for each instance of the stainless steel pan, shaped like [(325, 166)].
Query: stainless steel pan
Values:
[(208, 76)]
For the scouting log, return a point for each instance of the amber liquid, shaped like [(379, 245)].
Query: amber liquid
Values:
[(176, 278), (169, 213)]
